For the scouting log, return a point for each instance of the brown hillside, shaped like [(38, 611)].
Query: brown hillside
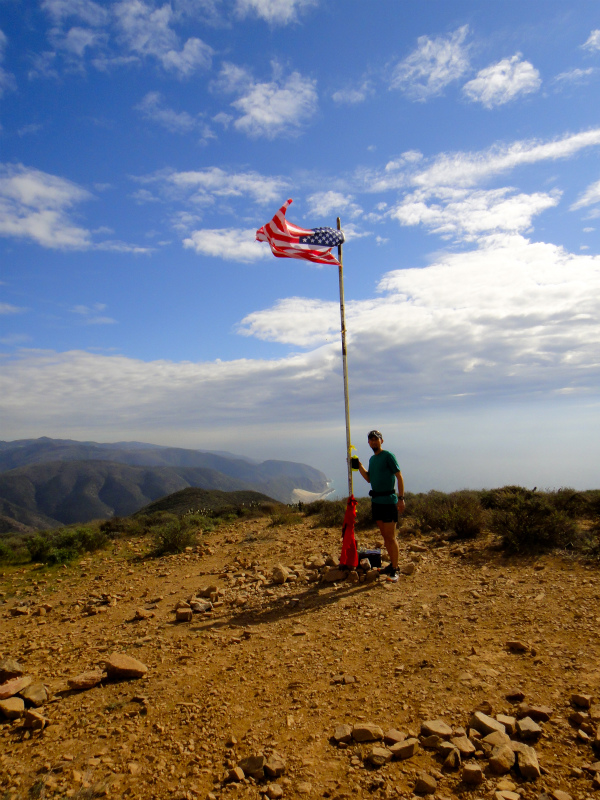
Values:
[(276, 668)]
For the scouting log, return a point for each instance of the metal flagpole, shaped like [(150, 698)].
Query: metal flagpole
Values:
[(345, 364)]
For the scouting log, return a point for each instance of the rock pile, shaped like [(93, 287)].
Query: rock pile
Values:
[(489, 746)]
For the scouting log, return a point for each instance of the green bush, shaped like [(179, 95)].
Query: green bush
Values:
[(528, 521), (458, 512), (49, 547), (173, 537)]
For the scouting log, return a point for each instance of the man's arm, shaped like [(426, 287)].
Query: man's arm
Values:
[(401, 503), (363, 472)]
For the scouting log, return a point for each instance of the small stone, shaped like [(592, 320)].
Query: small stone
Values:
[(14, 686), (87, 680), (372, 575), (253, 766), (537, 713), (558, 794), (425, 784), (366, 732), (343, 733), (120, 665), (506, 794), (36, 694), (379, 756), (510, 723), (134, 768), (452, 760), (515, 696), (34, 719), (406, 749), (502, 759), (464, 745), (527, 760), (582, 700), (436, 727), (432, 742), (528, 729), (274, 791), (517, 646), (274, 766), (595, 712), (235, 775), (484, 724), (496, 739), (184, 615), (280, 574), (12, 708), (407, 569), (10, 668), (472, 774), (393, 736), (304, 787), (141, 613)]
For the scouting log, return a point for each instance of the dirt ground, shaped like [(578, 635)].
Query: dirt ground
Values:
[(262, 672)]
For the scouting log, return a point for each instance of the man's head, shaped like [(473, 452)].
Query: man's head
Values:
[(375, 440)]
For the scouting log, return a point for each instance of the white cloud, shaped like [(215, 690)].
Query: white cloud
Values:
[(432, 66), (36, 205), (153, 108), (230, 244), (502, 82), (214, 182), (87, 11), (269, 109), (468, 215), (574, 76), (589, 197), (593, 41), (7, 308), (7, 80), (92, 314), (77, 40), (468, 169), (353, 94), (321, 204), (511, 319), (275, 12), (273, 109), (147, 31)]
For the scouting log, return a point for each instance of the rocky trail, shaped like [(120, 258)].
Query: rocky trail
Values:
[(243, 668)]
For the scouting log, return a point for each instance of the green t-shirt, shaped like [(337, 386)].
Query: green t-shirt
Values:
[(382, 476)]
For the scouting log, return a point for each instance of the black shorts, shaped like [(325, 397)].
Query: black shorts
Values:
[(384, 512)]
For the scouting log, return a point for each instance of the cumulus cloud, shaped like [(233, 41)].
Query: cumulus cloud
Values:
[(593, 41), (509, 319), (230, 244), (206, 185), (35, 205), (147, 31), (275, 12), (502, 82), (322, 204), (467, 215), (432, 66), (271, 108)]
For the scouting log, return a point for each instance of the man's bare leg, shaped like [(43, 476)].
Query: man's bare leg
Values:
[(388, 531)]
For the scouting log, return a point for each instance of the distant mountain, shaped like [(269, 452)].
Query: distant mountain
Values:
[(51, 482)]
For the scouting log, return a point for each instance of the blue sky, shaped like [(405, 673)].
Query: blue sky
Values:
[(142, 144)]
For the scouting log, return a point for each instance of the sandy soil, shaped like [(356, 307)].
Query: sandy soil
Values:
[(261, 671)]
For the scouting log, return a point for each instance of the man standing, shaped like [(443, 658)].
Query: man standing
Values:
[(386, 502)]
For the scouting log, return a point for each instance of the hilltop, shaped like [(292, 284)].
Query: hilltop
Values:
[(271, 670), (45, 483)]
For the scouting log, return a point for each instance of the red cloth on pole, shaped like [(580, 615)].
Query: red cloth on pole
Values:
[(349, 556)]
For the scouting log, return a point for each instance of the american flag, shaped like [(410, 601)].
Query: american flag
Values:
[(290, 241)]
